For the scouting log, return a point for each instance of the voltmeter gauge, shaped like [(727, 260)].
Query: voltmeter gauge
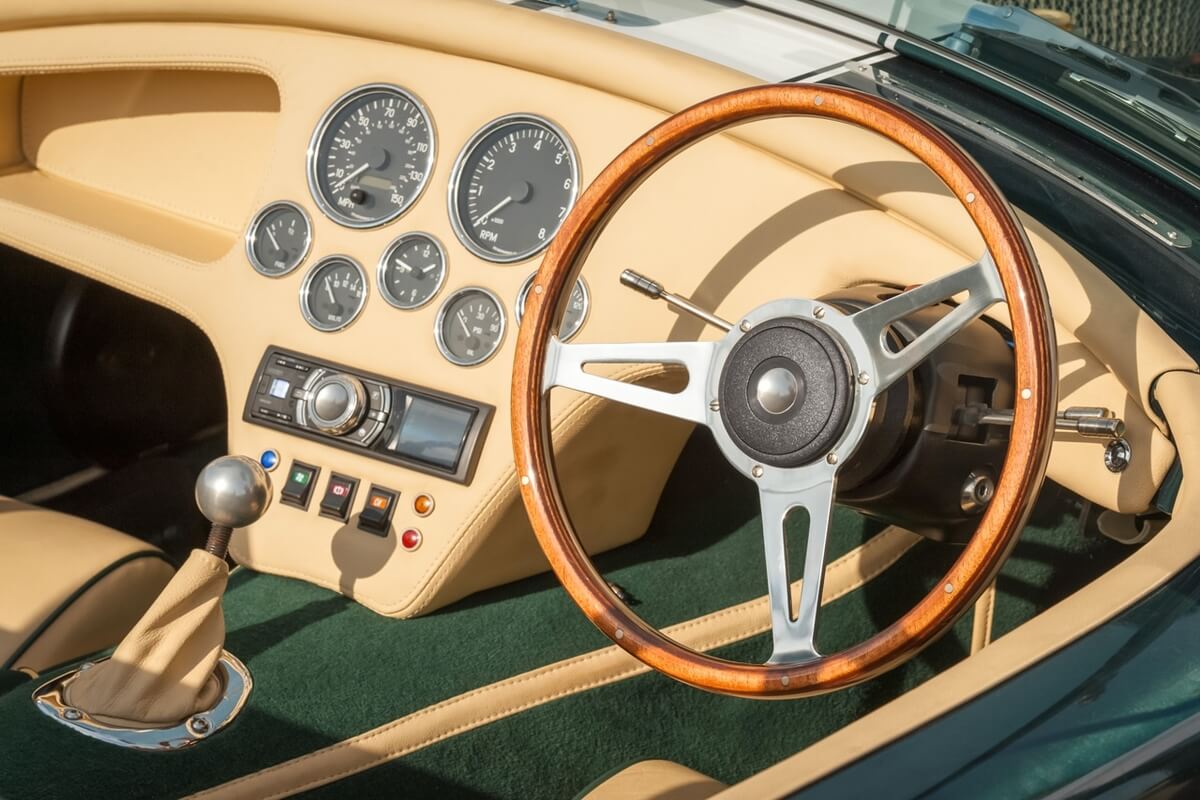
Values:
[(573, 317), (412, 270), (470, 326), (278, 239), (511, 187), (333, 293)]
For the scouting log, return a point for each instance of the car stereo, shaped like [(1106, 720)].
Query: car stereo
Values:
[(413, 426)]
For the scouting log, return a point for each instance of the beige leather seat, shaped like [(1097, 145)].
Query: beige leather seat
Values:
[(69, 587), (656, 780)]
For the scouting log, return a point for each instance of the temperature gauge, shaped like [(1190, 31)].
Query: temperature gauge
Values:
[(574, 315)]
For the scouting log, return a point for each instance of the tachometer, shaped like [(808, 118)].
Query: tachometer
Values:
[(512, 185), (333, 293), (470, 326), (371, 156)]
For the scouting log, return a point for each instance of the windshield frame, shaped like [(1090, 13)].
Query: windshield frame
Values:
[(847, 22)]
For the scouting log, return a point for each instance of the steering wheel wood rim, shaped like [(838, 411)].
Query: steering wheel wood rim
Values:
[(1024, 466)]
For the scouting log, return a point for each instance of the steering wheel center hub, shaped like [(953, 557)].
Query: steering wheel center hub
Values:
[(777, 390), (786, 392)]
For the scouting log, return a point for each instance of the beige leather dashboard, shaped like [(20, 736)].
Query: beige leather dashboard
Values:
[(136, 152)]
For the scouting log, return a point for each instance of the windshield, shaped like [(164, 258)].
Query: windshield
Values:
[(1133, 65)]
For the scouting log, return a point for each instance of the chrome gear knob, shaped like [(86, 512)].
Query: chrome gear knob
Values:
[(233, 491)]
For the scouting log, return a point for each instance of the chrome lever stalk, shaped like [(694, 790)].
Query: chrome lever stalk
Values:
[(655, 291), (1090, 421)]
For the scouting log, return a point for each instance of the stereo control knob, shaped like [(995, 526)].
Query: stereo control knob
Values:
[(337, 403)]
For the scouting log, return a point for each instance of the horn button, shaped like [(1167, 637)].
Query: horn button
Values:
[(786, 392)]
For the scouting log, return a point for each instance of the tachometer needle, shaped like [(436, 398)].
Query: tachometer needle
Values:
[(463, 321), (329, 291), (351, 176), (480, 220), (274, 241)]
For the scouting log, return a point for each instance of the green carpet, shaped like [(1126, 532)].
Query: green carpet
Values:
[(703, 553)]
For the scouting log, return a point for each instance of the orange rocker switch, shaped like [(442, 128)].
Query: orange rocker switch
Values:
[(376, 516)]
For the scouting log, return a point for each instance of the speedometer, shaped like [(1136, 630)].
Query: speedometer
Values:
[(371, 156), (512, 185)]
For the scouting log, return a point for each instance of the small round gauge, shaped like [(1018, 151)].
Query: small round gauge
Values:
[(278, 239), (333, 293), (512, 185), (412, 270), (470, 326), (573, 317), (371, 156)]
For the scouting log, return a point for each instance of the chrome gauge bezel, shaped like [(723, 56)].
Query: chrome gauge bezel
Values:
[(441, 316), (308, 279), (381, 269), (460, 163), (314, 187), (251, 237), (523, 293)]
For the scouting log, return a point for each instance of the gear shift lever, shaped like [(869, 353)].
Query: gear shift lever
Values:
[(232, 492), (170, 682)]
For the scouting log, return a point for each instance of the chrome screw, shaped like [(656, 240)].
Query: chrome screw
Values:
[(831, 458), (745, 326), (864, 378), (757, 471), (72, 714), (198, 725), (714, 406), (819, 312)]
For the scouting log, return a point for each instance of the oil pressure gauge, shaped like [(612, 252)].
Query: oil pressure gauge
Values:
[(470, 326)]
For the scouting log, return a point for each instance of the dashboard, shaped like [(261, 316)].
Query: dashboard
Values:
[(354, 223)]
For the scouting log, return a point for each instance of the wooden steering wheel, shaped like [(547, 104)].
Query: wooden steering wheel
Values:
[(859, 364)]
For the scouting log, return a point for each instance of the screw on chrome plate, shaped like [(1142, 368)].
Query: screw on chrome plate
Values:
[(199, 725), (72, 714), (757, 471)]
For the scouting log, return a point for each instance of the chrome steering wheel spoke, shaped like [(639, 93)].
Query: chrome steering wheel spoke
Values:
[(565, 367), (980, 280), (794, 627)]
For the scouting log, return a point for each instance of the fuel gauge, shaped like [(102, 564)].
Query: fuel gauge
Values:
[(278, 239)]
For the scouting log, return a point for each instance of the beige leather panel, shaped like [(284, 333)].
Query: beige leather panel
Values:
[(543, 685), (44, 558), (11, 154), (656, 780), (819, 211), (1140, 574), (209, 133), (93, 215)]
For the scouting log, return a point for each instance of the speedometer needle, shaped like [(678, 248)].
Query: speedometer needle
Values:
[(329, 291), (480, 220), (351, 176)]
